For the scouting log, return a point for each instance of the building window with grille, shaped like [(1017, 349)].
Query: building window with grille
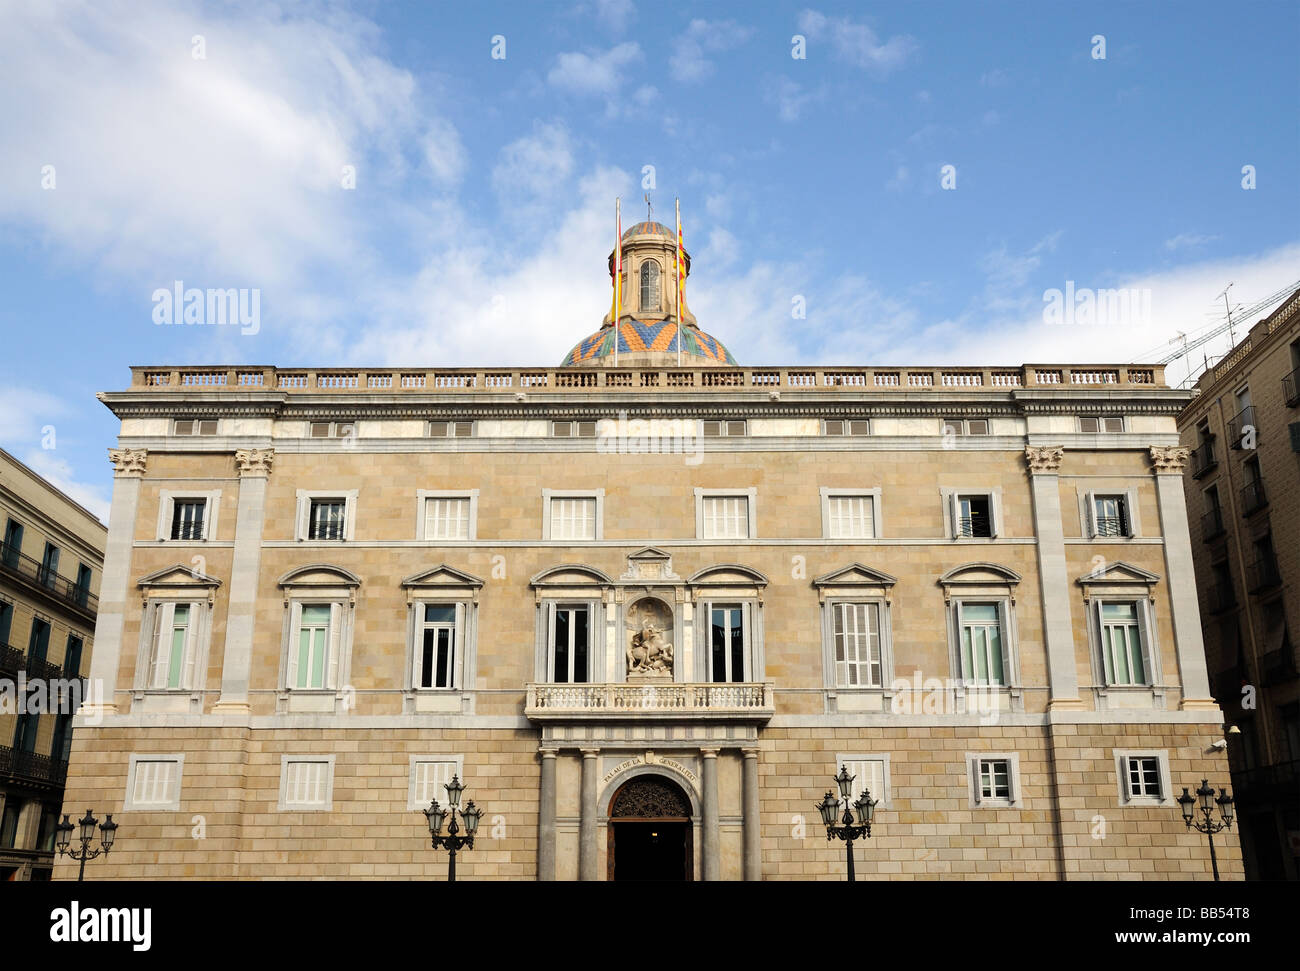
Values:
[(187, 519), (973, 515), (1110, 516), (572, 516)]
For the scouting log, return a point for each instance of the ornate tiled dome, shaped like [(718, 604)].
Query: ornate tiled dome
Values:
[(649, 336), (648, 229)]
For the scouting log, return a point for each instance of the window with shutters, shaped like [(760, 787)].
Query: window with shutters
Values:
[(196, 426), (857, 641), (306, 783), (573, 429), (447, 516), (429, 775), (325, 517), (1109, 515), (721, 514), (451, 429), (983, 656), (734, 428), (994, 779), (313, 646), (870, 772), (187, 517), (174, 646), (1143, 777), (965, 426), (572, 516), (846, 426), (1094, 424), (316, 653), (850, 514), (1122, 626), (153, 783)]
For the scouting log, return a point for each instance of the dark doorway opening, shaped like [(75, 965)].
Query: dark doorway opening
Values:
[(650, 851)]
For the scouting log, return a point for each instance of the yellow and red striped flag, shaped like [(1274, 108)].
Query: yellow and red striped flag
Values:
[(681, 278), (618, 271)]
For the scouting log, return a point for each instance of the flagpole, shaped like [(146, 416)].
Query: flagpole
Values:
[(677, 281), (618, 269)]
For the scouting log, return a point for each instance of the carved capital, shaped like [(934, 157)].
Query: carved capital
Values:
[(1169, 459), (1044, 458), (128, 461), (254, 461)]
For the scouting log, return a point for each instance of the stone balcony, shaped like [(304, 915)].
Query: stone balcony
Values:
[(742, 701)]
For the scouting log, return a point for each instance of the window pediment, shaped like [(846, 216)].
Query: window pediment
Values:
[(728, 575), (570, 574), (976, 578), (855, 574), (1118, 577), (319, 575), (178, 578), (442, 576)]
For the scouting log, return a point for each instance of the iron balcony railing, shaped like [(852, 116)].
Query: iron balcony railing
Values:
[(1278, 667), (1291, 388), (34, 571), (1203, 458), (750, 701), (20, 766), (1263, 574), (1212, 524), (1253, 497), (976, 527), (1265, 782), (1112, 526), (1242, 422)]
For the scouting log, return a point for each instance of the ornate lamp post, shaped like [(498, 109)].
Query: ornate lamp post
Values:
[(63, 838), (453, 841), (845, 828), (1205, 796)]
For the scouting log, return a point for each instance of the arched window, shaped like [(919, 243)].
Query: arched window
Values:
[(649, 285)]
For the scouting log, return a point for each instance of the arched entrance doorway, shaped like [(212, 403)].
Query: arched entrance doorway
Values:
[(650, 831)]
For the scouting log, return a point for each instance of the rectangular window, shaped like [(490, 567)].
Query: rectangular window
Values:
[(72, 656), (847, 426), (38, 641), (328, 517), (313, 646), (870, 773), (851, 517), (723, 429), (83, 584), (429, 778), (196, 426), (155, 783), (857, 645), (1143, 775), (333, 429), (1110, 516), (570, 644), (1121, 644), (1093, 424), (981, 643), (174, 635), (573, 518), (49, 572), (446, 518), (187, 519), (994, 780), (13, 544), (727, 643), (973, 516), (436, 661), (451, 429), (726, 517), (306, 783), (573, 429), (9, 826), (6, 621)]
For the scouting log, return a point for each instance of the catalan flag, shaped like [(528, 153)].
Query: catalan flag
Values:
[(618, 271), (681, 279)]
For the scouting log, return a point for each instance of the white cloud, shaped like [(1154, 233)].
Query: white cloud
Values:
[(1188, 241), (857, 43), (536, 164), (790, 98), (900, 179), (688, 61), (59, 474), (593, 74), (617, 15)]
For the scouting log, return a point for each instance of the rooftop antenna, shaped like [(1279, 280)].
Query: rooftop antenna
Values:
[(1232, 337)]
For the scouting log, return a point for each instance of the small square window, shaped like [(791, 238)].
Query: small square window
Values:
[(429, 777), (1110, 516), (573, 518), (451, 429), (1092, 424), (573, 429), (723, 429), (847, 426), (977, 426), (154, 783), (994, 779), (306, 783), (196, 426), (328, 518), (447, 517)]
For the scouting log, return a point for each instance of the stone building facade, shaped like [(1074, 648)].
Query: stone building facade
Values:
[(645, 610), (51, 561), (1243, 432)]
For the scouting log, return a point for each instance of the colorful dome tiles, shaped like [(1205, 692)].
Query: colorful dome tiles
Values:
[(658, 335)]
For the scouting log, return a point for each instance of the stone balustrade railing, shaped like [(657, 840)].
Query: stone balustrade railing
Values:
[(746, 700)]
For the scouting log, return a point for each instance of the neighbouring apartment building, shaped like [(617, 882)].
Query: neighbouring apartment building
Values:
[(645, 604), (51, 561), (1243, 494)]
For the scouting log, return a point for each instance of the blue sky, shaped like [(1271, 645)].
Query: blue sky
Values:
[(483, 206)]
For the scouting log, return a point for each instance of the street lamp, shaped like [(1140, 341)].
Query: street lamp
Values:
[(1205, 796), (436, 815), (845, 829), (87, 823)]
